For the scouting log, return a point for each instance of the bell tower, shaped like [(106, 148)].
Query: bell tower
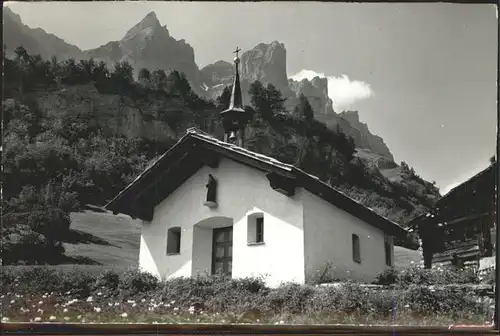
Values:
[(234, 118)]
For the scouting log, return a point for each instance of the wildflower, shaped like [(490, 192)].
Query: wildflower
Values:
[(5, 319), (143, 300), (176, 309), (44, 296), (89, 299), (12, 301), (38, 319), (99, 294), (124, 315), (134, 304), (41, 302), (407, 306), (52, 318), (117, 303), (66, 318), (79, 317), (172, 302), (191, 310), (65, 310), (110, 304), (167, 305), (130, 301), (97, 309)]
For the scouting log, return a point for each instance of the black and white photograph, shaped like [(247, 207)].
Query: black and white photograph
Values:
[(249, 163)]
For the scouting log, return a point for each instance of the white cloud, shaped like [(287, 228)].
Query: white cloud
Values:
[(343, 91)]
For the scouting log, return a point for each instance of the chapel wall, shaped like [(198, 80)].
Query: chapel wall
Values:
[(328, 234), (241, 191)]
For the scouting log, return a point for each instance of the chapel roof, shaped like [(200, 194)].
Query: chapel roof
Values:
[(178, 164)]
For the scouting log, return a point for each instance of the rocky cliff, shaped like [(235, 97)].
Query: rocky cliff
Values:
[(35, 41), (149, 45), (316, 91), (267, 63)]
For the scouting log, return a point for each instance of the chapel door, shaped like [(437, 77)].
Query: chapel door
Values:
[(222, 256)]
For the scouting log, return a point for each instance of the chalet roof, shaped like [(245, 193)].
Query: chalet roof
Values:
[(198, 148), (430, 216), (482, 174)]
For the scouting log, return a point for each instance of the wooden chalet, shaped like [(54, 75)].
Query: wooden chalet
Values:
[(460, 228)]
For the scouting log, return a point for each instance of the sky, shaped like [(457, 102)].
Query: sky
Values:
[(422, 76)]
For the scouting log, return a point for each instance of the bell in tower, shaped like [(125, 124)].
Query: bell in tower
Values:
[(234, 118)]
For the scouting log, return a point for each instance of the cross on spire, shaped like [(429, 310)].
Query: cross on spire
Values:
[(237, 51)]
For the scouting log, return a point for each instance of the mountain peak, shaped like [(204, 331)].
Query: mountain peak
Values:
[(151, 19), (149, 23)]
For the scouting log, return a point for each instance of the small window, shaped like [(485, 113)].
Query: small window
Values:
[(255, 232), (174, 240), (388, 259), (356, 252), (259, 230), (388, 250)]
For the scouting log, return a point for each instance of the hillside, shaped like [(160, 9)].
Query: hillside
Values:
[(119, 238)]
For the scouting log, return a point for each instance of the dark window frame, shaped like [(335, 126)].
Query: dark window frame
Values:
[(259, 229), (174, 237), (356, 248)]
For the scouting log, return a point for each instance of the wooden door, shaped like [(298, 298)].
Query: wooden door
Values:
[(222, 255)]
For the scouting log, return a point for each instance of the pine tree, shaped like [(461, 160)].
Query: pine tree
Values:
[(303, 110)]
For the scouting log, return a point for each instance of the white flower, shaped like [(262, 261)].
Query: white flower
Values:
[(66, 318), (172, 302), (89, 299), (44, 296), (12, 301), (99, 293), (52, 318), (79, 317), (176, 309), (130, 301), (39, 310), (191, 310), (40, 302), (38, 319), (117, 303), (143, 300), (97, 309), (124, 315), (5, 319), (110, 304), (167, 305)]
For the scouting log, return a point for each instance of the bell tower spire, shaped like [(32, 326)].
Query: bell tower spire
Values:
[(234, 118)]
